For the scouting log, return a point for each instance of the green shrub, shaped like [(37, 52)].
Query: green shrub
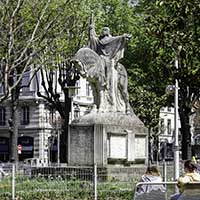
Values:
[(47, 189)]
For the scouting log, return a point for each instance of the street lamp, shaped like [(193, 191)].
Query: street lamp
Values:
[(71, 94), (173, 89), (176, 144)]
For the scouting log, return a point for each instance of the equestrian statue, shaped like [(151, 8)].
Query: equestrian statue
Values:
[(99, 64)]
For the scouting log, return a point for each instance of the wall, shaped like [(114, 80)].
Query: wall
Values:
[(81, 148), (135, 172)]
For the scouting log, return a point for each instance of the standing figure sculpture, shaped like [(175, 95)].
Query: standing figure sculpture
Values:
[(99, 63)]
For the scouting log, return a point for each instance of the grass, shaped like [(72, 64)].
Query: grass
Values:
[(50, 189)]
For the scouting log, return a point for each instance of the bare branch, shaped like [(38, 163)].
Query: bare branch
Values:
[(18, 27), (43, 83), (33, 34), (11, 27), (4, 97), (50, 96)]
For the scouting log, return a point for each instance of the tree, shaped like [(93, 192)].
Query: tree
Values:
[(146, 89), (174, 28), (25, 26)]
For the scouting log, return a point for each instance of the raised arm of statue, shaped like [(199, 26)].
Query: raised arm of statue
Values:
[(92, 38), (92, 33), (91, 18)]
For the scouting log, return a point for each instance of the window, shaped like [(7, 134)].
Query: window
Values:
[(169, 109), (88, 89), (25, 81), (169, 128), (2, 116), (52, 116), (25, 115), (162, 126)]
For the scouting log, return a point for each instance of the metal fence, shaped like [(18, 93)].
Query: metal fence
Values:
[(63, 183)]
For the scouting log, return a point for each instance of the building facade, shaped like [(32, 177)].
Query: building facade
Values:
[(37, 132), (165, 140), (166, 131)]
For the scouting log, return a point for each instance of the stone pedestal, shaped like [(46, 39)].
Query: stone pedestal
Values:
[(107, 138)]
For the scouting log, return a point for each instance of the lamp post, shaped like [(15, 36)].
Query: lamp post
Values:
[(173, 89), (176, 144)]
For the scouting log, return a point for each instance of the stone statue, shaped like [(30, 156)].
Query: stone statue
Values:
[(99, 63)]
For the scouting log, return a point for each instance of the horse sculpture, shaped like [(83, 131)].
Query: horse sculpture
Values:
[(93, 67)]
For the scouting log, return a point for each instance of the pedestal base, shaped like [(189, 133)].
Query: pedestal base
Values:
[(107, 138)]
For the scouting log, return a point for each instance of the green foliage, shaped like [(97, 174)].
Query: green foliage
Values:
[(173, 28), (164, 28), (146, 85), (43, 189)]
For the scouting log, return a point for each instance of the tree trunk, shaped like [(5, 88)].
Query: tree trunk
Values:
[(64, 135), (15, 122), (184, 113)]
